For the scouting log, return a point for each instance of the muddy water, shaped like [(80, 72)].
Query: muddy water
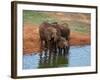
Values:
[(78, 56)]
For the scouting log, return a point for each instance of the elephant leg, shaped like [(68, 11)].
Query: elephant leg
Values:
[(68, 47), (49, 46), (40, 55), (65, 51), (45, 54), (41, 47), (46, 45), (46, 49), (55, 47), (60, 51)]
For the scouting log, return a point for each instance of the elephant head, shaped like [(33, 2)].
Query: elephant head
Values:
[(52, 33), (62, 43)]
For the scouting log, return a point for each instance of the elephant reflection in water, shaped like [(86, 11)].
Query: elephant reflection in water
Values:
[(50, 60)]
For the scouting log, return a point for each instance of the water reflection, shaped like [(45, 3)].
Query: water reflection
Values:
[(49, 60), (78, 56)]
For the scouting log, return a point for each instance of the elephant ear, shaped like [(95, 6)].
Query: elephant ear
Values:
[(55, 38), (66, 43), (54, 34), (48, 35)]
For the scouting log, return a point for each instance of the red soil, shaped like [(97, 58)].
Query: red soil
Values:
[(78, 39), (32, 39)]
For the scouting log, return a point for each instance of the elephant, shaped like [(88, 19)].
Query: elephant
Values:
[(64, 31), (48, 34), (63, 45)]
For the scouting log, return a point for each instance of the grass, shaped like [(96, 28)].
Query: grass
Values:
[(81, 27), (37, 17)]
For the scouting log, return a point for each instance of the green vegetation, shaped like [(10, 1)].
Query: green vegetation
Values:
[(37, 17), (81, 27)]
